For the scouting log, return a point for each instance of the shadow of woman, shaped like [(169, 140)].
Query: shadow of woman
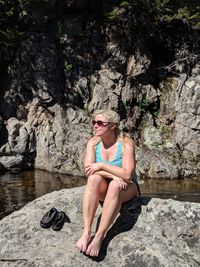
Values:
[(128, 217)]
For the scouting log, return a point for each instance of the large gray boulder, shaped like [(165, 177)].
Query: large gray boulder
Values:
[(147, 233)]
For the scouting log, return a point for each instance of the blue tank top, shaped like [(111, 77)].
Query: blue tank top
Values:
[(117, 161)]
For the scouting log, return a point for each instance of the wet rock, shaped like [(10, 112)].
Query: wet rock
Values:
[(17, 145), (11, 161)]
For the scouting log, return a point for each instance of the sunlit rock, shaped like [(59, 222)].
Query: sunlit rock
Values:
[(149, 232)]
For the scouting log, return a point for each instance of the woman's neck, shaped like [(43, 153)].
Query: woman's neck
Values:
[(109, 141)]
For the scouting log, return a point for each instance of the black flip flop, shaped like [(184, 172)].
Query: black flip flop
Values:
[(59, 221), (48, 218)]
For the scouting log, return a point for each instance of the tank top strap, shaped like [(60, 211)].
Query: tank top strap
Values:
[(98, 152), (119, 149)]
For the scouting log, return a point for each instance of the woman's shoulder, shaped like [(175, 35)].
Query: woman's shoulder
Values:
[(93, 141), (128, 140), (128, 144)]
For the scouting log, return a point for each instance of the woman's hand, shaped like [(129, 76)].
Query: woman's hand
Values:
[(122, 184), (93, 167)]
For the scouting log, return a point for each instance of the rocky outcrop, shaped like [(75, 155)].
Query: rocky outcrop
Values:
[(148, 232), (60, 139), (53, 138), (171, 148), (77, 58), (16, 152)]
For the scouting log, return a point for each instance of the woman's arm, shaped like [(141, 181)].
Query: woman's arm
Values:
[(128, 163), (90, 152), (107, 175)]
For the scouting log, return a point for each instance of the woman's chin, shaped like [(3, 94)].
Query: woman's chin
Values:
[(97, 134)]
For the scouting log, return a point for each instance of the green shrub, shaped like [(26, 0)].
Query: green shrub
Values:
[(9, 16), (67, 66), (144, 104), (188, 10), (165, 130), (124, 4), (114, 14)]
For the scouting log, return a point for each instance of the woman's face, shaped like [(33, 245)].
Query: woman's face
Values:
[(101, 125)]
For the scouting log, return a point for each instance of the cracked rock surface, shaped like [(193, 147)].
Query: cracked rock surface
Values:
[(148, 232)]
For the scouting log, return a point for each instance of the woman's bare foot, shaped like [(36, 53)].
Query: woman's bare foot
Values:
[(94, 247), (83, 242)]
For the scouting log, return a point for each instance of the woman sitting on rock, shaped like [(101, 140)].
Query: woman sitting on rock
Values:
[(110, 167)]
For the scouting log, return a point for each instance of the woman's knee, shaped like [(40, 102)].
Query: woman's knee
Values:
[(94, 180), (114, 188)]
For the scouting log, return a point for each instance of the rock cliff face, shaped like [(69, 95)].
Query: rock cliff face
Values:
[(79, 56), (148, 232)]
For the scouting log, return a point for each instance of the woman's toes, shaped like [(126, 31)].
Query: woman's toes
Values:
[(83, 243), (94, 248)]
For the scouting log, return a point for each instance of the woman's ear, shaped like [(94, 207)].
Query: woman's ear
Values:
[(113, 126)]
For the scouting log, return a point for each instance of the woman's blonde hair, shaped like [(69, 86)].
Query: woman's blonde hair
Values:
[(112, 117)]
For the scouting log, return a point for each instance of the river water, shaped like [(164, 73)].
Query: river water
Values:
[(16, 190)]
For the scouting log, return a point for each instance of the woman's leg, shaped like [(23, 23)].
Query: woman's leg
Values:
[(96, 186), (112, 204)]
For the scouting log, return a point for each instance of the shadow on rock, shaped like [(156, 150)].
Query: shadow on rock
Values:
[(128, 217), (2, 168)]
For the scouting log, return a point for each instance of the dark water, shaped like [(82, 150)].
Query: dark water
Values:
[(16, 190), (179, 189)]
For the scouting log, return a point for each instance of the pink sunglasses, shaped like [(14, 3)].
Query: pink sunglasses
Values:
[(100, 123)]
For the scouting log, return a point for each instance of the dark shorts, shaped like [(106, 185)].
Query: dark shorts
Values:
[(136, 183)]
